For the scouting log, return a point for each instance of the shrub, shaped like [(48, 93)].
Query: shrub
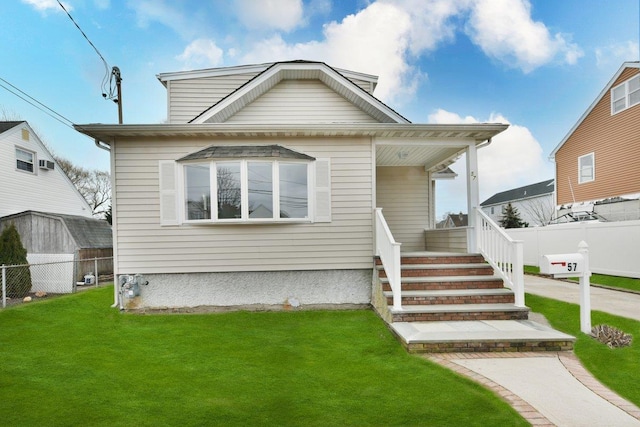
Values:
[(13, 253)]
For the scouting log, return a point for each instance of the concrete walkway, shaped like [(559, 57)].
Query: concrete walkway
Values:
[(553, 389)]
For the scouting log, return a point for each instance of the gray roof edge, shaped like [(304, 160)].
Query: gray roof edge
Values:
[(509, 195)]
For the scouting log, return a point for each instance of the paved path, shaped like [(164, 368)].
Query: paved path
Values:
[(553, 389)]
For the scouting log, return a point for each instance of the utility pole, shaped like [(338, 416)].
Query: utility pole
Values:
[(115, 72)]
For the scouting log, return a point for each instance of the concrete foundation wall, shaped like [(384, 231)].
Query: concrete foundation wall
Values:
[(267, 290)]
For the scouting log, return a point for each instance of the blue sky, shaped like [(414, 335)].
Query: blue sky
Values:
[(535, 64)]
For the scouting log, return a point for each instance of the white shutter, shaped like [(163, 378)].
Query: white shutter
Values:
[(168, 193), (322, 190)]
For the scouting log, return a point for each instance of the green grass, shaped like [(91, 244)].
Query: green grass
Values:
[(626, 283), (617, 368), (75, 361)]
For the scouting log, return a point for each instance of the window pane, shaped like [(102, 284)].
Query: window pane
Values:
[(24, 160), (634, 84), (618, 92), (260, 190), (198, 191), (634, 98), (293, 191), (619, 105), (229, 190), (586, 168)]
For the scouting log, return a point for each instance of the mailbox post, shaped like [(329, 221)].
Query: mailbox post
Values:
[(572, 265)]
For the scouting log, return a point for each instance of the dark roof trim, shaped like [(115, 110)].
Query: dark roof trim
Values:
[(245, 151), (5, 126), (526, 192)]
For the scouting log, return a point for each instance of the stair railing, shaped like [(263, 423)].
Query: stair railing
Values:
[(503, 253), (389, 252)]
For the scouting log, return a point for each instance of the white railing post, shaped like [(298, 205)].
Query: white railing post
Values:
[(503, 253), (389, 252), (585, 291)]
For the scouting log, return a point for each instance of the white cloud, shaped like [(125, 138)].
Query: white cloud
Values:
[(46, 5), (505, 30), (102, 4), (513, 159), (148, 11), (201, 53), (616, 54), (387, 35), (284, 15)]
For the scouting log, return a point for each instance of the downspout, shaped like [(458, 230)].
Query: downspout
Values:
[(117, 295)]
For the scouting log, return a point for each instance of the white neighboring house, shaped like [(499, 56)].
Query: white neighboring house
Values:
[(30, 179), (534, 202)]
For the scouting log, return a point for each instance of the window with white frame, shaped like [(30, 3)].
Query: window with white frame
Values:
[(25, 160), (625, 95), (586, 168), (246, 190)]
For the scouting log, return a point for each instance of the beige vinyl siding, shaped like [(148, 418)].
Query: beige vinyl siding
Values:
[(403, 195), (189, 97), (143, 246), (44, 190), (301, 101), (615, 142)]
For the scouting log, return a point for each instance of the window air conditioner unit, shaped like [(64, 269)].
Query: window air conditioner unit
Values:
[(46, 164)]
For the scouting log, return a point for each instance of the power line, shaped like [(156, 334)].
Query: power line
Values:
[(37, 104), (107, 91)]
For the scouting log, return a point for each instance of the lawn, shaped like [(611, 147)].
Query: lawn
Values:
[(617, 368), (626, 283), (74, 360)]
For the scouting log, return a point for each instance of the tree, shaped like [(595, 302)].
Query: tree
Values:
[(13, 253), (94, 185), (511, 218), (540, 210)]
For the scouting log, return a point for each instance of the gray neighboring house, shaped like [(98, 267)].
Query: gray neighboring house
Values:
[(534, 202), (57, 238)]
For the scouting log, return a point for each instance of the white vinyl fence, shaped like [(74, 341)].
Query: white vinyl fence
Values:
[(614, 247)]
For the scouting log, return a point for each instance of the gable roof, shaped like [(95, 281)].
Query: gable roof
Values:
[(5, 126), (279, 71), (526, 192), (607, 88)]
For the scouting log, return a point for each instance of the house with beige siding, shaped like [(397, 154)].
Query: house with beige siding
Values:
[(262, 188), (597, 161)]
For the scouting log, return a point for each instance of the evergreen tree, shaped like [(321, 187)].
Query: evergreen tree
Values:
[(511, 218), (13, 253)]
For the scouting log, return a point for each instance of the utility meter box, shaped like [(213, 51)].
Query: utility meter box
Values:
[(562, 265)]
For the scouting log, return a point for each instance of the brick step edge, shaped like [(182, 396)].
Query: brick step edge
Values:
[(494, 346)]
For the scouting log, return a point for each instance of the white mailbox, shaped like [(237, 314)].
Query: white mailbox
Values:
[(562, 265)]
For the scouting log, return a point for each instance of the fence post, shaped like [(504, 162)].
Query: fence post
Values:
[(4, 287), (585, 294), (95, 268)]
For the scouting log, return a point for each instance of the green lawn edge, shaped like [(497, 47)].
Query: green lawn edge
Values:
[(73, 360), (616, 368), (616, 282)]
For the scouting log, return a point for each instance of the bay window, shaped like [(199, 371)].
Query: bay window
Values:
[(246, 190)]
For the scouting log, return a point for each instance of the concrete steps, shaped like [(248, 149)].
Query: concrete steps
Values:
[(455, 303)]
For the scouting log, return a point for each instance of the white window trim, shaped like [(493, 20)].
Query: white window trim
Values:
[(34, 158), (244, 195), (626, 97), (593, 168)]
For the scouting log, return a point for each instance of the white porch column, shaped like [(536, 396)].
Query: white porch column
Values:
[(473, 195)]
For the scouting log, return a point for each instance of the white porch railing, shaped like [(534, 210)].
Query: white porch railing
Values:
[(389, 252), (503, 253)]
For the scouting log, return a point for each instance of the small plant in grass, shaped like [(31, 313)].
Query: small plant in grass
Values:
[(611, 336), (13, 253)]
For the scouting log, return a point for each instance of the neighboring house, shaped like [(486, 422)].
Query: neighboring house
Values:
[(62, 241), (30, 179), (454, 220), (597, 161), (534, 203), (262, 187)]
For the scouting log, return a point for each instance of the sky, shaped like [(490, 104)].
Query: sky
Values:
[(534, 64)]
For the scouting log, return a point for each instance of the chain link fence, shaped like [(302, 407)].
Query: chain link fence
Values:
[(52, 275)]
